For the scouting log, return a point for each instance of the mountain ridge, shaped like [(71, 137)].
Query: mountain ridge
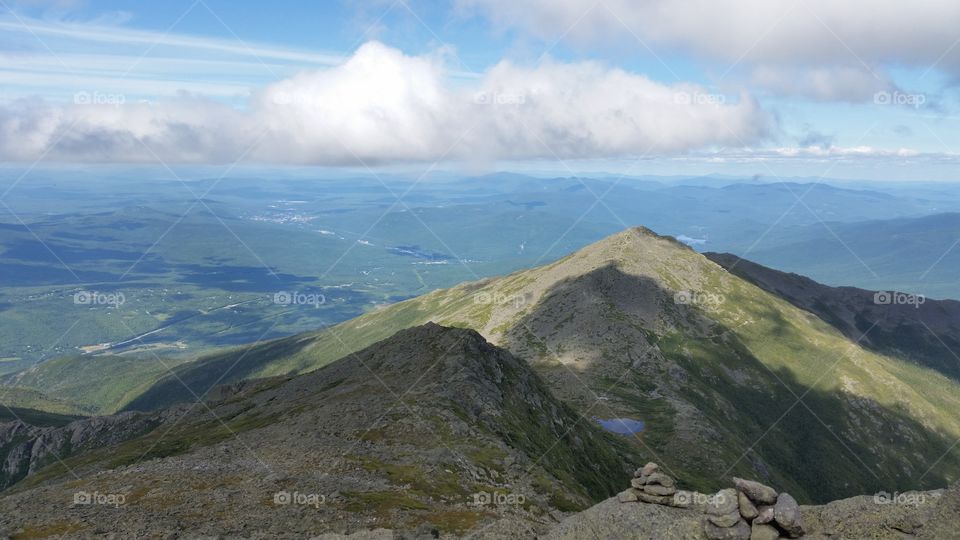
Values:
[(406, 433)]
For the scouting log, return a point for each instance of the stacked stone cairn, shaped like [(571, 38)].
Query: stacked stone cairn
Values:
[(752, 511), (650, 485)]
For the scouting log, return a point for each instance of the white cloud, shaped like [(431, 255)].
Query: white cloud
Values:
[(383, 106), (823, 34), (852, 84), (814, 152)]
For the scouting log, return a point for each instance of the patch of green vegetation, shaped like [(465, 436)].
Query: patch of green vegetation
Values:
[(489, 457), (455, 521), (435, 485), (381, 502), (57, 528)]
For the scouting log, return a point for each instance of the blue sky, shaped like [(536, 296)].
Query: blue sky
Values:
[(803, 88)]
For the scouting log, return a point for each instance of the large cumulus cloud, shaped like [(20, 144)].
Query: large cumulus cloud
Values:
[(384, 106)]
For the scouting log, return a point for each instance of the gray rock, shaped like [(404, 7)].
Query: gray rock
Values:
[(629, 495), (659, 490), (660, 479), (764, 515), (747, 509), (649, 469), (757, 492), (638, 482), (724, 502), (787, 515), (727, 520), (740, 531), (655, 499), (683, 499), (759, 531)]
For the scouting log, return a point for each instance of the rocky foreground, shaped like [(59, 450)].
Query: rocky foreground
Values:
[(753, 511)]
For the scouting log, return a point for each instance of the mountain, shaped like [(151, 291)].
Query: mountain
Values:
[(726, 377), (913, 254), (925, 331), (432, 427)]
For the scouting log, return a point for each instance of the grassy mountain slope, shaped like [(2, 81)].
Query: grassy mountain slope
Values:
[(95, 384), (35, 418), (25, 398), (398, 435), (927, 333), (716, 379)]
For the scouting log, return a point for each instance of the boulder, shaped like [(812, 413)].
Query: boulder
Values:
[(727, 520), (759, 531), (649, 469), (629, 495), (757, 492), (659, 490), (638, 482), (723, 503), (683, 499), (747, 509), (740, 531), (787, 515), (764, 515), (660, 479), (655, 499)]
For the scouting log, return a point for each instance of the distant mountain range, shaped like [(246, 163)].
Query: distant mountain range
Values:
[(209, 281), (918, 255)]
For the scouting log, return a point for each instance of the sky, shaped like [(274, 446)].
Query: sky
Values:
[(776, 88)]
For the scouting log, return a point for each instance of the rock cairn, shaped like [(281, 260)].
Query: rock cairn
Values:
[(752, 511), (650, 485), (749, 511)]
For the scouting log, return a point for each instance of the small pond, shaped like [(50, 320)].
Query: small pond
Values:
[(621, 426)]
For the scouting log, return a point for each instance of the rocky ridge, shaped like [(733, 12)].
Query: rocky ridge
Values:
[(433, 429)]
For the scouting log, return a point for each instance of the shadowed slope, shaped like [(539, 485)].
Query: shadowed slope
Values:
[(927, 333)]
